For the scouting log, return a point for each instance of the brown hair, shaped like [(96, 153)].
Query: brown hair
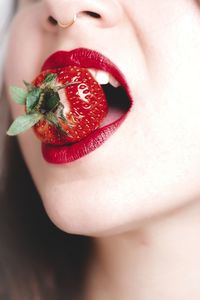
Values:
[(37, 260)]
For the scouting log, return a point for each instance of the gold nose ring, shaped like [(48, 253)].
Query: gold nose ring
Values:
[(69, 24)]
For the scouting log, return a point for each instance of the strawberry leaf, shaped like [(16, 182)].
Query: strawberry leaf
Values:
[(49, 77), (23, 123), (28, 85), (33, 98), (66, 85), (18, 94), (51, 117)]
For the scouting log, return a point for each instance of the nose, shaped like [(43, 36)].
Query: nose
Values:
[(102, 13)]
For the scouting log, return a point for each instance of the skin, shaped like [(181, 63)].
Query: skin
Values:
[(139, 192)]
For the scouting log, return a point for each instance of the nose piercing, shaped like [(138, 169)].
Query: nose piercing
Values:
[(69, 24)]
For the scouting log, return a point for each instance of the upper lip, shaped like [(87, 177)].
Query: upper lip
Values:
[(86, 58)]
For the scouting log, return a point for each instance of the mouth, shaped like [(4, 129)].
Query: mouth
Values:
[(117, 94)]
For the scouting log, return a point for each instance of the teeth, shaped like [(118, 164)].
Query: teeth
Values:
[(93, 72), (113, 81), (103, 77)]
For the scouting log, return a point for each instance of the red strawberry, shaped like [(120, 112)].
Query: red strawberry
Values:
[(64, 105)]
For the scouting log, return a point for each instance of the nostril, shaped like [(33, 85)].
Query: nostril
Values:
[(52, 21), (92, 14)]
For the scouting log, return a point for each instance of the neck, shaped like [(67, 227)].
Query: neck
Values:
[(162, 259)]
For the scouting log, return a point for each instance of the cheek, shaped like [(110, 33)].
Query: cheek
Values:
[(23, 59)]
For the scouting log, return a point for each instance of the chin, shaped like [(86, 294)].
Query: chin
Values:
[(82, 214), (72, 217)]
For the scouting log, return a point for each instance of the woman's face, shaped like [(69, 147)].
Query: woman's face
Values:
[(151, 164)]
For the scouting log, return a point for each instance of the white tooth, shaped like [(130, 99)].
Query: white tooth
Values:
[(102, 77), (113, 81), (93, 72)]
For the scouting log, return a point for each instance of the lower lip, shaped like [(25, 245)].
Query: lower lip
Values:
[(69, 153)]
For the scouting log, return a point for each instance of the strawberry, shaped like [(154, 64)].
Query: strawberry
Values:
[(62, 105)]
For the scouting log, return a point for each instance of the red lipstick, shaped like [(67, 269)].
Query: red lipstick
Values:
[(84, 58)]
